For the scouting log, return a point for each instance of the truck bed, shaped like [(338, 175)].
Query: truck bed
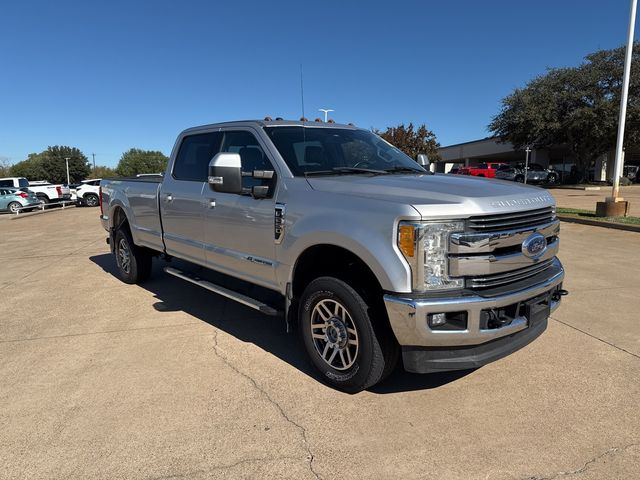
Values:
[(146, 179), (139, 197)]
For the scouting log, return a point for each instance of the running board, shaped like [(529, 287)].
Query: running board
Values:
[(225, 292)]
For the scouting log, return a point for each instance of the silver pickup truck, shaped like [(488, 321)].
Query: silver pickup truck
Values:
[(368, 254)]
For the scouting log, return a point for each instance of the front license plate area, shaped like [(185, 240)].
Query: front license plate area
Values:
[(538, 309)]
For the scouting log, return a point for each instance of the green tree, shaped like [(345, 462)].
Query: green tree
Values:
[(576, 106), (5, 167), (413, 141), (50, 165), (136, 161), (32, 168), (102, 171)]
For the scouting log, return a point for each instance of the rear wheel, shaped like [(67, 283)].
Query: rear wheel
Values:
[(91, 200), (340, 338), (519, 179), (134, 263), (552, 178), (43, 199), (14, 207)]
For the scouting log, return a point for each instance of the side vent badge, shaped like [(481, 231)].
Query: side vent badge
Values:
[(279, 222)]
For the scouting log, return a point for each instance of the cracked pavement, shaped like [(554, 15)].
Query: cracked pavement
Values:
[(99, 379)]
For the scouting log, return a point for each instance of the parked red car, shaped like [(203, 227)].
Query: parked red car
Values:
[(487, 169)]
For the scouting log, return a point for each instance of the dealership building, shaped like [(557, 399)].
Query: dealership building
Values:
[(492, 149)]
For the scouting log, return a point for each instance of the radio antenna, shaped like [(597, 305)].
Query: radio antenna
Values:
[(302, 90)]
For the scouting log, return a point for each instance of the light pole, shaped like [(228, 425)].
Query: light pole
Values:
[(326, 111), (617, 168), (66, 160), (526, 163)]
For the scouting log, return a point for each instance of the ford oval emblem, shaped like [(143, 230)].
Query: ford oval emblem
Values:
[(534, 246)]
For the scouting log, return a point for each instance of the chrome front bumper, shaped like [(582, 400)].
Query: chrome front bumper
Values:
[(408, 316)]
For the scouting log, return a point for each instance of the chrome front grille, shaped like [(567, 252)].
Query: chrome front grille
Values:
[(500, 279), (512, 221), (488, 254)]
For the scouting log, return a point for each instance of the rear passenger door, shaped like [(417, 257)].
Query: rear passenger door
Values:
[(182, 205)]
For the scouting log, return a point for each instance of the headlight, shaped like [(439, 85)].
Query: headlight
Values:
[(425, 247)]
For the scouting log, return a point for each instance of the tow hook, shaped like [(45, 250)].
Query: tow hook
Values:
[(559, 294)]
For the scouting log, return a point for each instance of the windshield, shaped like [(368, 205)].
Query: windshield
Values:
[(336, 150)]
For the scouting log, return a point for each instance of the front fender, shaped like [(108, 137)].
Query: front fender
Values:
[(374, 242)]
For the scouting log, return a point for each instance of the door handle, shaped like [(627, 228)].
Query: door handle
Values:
[(168, 198)]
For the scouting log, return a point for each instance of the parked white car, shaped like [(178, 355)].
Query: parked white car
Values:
[(45, 191), (88, 193)]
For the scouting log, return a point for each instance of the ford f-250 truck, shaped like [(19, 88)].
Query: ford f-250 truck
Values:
[(368, 254)]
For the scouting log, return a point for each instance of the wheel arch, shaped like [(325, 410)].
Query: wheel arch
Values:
[(333, 260)]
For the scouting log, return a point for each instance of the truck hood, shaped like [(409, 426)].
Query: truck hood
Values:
[(439, 196)]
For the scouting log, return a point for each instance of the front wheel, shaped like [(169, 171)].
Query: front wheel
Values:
[(134, 263), (340, 338), (519, 179)]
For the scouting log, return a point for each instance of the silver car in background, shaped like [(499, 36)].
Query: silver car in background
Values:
[(15, 200), (535, 174)]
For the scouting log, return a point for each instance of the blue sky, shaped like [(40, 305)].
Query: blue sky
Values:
[(108, 76)]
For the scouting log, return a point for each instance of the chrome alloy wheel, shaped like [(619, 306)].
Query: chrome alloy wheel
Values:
[(334, 334), (124, 255)]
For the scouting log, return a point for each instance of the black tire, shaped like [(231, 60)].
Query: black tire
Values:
[(14, 207), (480, 175), (137, 268), (519, 179), (552, 179), (91, 200), (43, 199), (373, 354)]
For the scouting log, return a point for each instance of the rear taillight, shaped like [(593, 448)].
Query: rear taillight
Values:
[(23, 195), (100, 199), (59, 190)]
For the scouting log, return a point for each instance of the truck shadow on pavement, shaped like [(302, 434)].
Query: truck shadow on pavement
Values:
[(247, 325)]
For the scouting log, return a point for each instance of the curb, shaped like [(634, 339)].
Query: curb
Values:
[(596, 223)]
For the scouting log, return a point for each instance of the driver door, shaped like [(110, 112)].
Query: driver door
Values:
[(238, 228)]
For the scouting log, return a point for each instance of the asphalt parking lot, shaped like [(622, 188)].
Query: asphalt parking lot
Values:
[(99, 379)]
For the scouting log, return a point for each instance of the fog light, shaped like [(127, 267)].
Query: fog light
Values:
[(436, 319)]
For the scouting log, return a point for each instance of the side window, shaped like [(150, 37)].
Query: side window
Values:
[(251, 156), (482, 165), (194, 155), (6, 183)]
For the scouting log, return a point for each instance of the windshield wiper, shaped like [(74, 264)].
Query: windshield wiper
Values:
[(359, 170), (399, 168), (345, 171)]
